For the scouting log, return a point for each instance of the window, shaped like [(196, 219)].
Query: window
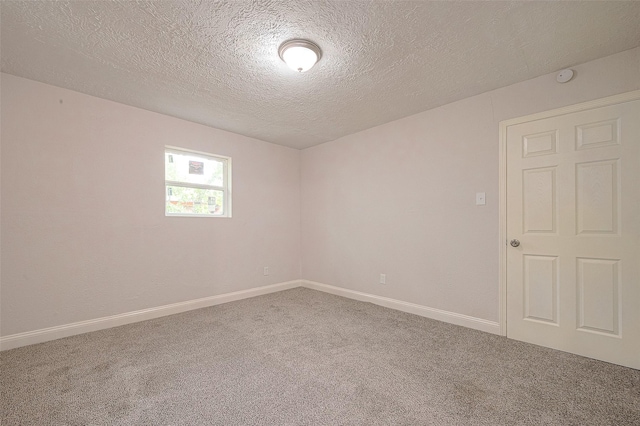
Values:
[(196, 183)]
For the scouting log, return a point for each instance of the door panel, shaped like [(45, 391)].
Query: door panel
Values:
[(598, 295), (539, 198), (597, 198), (541, 288), (573, 202)]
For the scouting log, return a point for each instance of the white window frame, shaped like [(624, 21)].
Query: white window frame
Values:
[(225, 188)]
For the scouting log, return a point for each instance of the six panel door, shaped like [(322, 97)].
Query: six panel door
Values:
[(573, 203)]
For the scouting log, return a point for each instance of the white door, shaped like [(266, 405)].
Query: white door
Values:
[(573, 204)]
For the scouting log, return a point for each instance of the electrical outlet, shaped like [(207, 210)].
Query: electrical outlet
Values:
[(266, 270), (383, 278)]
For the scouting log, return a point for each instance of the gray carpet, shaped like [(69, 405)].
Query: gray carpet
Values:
[(302, 357)]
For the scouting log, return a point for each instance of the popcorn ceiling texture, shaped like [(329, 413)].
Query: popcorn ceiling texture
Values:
[(216, 63)]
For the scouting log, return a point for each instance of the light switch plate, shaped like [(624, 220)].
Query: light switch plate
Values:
[(481, 198)]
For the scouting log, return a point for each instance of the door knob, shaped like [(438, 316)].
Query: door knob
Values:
[(514, 243)]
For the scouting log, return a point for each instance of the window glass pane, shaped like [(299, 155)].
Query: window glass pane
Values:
[(193, 168), (194, 201)]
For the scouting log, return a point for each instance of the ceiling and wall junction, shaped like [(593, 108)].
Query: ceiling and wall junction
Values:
[(216, 62)]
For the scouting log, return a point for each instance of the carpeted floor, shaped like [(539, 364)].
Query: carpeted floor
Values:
[(302, 357)]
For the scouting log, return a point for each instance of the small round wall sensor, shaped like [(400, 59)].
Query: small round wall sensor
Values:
[(564, 76)]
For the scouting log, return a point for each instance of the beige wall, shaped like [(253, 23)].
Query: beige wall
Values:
[(84, 233), (83, 228), (399, 198)]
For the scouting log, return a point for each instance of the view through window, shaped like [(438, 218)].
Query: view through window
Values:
[(196, 183)]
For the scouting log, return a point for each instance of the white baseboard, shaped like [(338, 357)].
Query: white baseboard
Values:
[(66, 330), (52, 333), (424, 311)]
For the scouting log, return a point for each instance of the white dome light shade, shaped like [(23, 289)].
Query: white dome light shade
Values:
[(300, 55), (299, 58)]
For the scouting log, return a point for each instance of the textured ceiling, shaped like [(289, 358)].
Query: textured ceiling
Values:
[(216, 62)]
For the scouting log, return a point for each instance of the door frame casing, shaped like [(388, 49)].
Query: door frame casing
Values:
[(502, 180)]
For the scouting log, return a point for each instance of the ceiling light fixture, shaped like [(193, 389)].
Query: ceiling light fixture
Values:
[(300, 55)]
